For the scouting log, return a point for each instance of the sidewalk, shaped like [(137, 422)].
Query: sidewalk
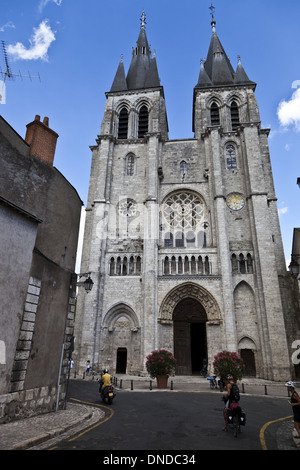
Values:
[(29, 432), (26, 433)]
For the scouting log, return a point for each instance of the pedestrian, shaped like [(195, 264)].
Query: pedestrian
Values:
[(295, 404), (88, 366)]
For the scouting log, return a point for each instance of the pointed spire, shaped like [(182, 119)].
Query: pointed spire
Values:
[(217, 63), (152, 79), (240, 74), (217, 68), (119, 83), (204, 79), (142, 72)]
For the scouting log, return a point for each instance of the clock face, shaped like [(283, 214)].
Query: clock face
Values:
[(127, 207), (235, 202)]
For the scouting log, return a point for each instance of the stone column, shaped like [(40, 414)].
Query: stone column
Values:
[(223, 244), (273, 337)]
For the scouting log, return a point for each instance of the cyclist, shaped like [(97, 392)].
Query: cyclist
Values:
[(233, 395), (295, 404)]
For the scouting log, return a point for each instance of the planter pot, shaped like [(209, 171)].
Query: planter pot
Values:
[(162, 381)]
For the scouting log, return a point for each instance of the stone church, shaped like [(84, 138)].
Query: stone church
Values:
[(182, 237)]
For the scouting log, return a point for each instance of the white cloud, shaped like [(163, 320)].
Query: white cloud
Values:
[(43, 3), (288, 112), (283, 210), (9, 24), (296, 83), (40, 42)]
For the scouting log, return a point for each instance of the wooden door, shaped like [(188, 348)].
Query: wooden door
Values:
[(249, 360), (182, 346)]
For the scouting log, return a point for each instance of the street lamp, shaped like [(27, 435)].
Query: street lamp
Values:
[(294, 268), (88, 283)]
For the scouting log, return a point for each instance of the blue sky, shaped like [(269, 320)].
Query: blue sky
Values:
[(75, 47)]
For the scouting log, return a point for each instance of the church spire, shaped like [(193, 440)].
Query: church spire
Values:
[(119, 83), (217, 67), (143, 71)]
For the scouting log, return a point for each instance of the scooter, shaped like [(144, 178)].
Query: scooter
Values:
[(107, 394)]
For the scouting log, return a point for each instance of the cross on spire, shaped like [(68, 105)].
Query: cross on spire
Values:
[(212, 9), (213, 21), (143, 20)]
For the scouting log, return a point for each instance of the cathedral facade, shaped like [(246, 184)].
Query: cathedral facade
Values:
[(182, 237)]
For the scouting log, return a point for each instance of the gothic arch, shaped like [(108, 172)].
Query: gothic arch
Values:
[(123, 104), (235, 96), (117, 311), (243, 284), (214, 98), (194, 291), (246, 342), (143, 102)]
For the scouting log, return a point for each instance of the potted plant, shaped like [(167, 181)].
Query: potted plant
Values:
[(227, 362), (160, 364)]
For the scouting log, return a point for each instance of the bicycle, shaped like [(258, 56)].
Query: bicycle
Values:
[(212, 382), (234, 416)]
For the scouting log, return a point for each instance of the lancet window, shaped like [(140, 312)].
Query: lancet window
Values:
[(123, 124)]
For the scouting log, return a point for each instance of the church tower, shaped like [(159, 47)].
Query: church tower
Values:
[(182, 237)]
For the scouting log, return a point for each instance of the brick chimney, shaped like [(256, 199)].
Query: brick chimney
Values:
[(42, 139)]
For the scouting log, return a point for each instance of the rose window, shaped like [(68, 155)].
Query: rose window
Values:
[(184, 211)]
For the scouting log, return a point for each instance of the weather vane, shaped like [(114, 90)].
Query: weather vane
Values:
[(143, 19), (8, 73), (212, 10)]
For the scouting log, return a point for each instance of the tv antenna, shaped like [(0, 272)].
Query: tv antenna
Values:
[(8, 73)]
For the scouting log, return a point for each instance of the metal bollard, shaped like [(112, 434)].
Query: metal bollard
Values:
[(131, 384), (243, 388), (150, 384), (121, 382), (266, 392), (171, 384)]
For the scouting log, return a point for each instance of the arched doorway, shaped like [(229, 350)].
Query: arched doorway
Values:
[(249, 359), (190, 346), (121, 361)]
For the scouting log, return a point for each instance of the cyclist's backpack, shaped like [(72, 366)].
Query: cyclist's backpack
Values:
[(235, 392)]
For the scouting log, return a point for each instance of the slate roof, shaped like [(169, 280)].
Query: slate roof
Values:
[(142, 73), (217, 69)]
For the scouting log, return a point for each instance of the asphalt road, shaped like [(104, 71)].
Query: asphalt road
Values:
[(176, 422)]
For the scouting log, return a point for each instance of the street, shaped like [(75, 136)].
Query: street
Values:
[(177, 421)]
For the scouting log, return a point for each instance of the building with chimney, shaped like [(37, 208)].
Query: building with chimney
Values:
[(39, 216), (182, 236)]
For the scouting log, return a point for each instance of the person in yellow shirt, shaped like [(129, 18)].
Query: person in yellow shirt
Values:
[(105, 380)]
